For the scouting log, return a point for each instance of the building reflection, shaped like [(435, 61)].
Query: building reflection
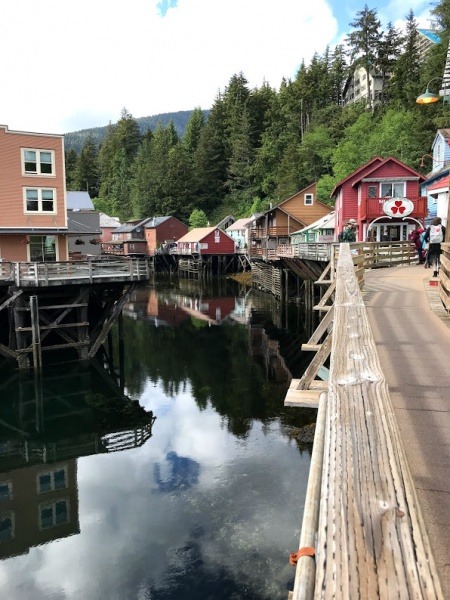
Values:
[(46, 423)]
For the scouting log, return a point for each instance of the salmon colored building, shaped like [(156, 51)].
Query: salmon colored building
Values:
[(33, 213)]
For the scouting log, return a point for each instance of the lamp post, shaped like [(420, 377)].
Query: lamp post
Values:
[(430, 98)]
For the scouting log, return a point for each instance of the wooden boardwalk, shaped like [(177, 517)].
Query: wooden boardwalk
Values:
[(370, 540)]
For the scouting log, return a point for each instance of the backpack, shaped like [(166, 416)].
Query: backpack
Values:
[(436, 234)]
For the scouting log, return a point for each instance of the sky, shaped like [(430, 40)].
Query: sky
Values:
[(70, 65)]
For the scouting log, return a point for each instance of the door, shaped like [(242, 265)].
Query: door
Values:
[(42, 248)]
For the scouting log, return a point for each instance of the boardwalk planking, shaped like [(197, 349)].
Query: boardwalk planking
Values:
[(372, 541)]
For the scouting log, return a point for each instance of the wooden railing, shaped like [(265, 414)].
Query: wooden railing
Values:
[(374, 207), (444, 276), (72, 272), (362, 520), (375, 253)]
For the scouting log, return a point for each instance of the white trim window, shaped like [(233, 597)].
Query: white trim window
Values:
[(52, 480), (38, 162), (309, 199), (394, 189), (39, 200), (52, 514)]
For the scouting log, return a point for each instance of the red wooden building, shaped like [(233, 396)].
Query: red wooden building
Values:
[(206, 240), (383, 196), (160, 232)]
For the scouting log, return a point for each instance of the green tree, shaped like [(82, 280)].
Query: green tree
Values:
[(197, 218), (70, 161), (364, 42), (86, 175)]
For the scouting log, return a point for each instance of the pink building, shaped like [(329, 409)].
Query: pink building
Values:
[(33, 215)]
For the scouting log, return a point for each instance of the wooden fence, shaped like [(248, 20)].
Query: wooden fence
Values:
[(444, 276), (72, 272), (363, 534)]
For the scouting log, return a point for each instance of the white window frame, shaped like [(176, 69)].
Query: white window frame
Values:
[(392, 183), (52, 479), (39, 211), (308, 199), (38, 172), (52, 504), (217, 237)]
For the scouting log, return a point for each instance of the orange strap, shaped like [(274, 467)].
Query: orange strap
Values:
[(305, 551)]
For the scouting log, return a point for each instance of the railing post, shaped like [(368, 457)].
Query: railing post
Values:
[(90, 271)]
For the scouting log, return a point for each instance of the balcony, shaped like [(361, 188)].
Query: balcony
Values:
[(271, 232), (373, 208)]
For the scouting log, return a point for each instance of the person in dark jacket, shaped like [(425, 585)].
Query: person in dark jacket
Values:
[(434, 239)]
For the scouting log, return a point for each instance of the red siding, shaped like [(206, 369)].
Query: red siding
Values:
[(225, 244)]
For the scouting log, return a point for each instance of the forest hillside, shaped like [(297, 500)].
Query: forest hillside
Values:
[(257, 146)]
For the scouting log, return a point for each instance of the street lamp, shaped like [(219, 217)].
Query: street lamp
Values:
[(429, 98)]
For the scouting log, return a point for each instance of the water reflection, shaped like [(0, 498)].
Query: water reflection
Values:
[(210, 507), (46, 423)]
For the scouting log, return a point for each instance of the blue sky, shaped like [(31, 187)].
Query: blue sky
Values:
[(72, 65)]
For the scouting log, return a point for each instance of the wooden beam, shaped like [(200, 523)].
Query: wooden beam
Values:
[(303, 398), (10, 299)]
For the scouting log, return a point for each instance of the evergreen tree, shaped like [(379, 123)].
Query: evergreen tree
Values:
[(86, 175), (404, 86), (70, 162), (191, 135), (364, 43)]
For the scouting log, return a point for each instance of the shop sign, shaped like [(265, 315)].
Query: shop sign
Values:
[(398, 207)]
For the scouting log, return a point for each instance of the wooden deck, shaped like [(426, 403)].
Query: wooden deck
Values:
[(362, 516), (73, 272)]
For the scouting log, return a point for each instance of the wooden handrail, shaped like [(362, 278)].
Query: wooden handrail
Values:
[(371, 537)]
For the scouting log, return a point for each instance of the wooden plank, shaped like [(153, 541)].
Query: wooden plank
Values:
[(10, 299), (311, 347), (326, 296), (304, 383), (322, 328), (304, 398), (372, 542)]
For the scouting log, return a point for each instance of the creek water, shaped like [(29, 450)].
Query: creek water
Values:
[(167, 468)]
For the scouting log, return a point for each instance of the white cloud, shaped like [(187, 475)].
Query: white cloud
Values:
[(68, 65)]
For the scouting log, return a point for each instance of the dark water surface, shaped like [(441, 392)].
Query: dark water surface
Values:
[(167, 469)]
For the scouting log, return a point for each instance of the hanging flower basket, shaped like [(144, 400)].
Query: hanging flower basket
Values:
[(79, 242)]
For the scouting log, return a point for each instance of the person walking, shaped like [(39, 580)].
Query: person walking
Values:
[(417, 240), (434, 236)]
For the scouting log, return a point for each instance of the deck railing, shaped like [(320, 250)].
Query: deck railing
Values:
[(444, 276), (34, 274)]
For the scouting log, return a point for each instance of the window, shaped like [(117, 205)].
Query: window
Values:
[(393, 190), (217, 236), (52, 480), (5, 491), (54, 513), (372, 191), (39, 200), (42, 248), (38, 162), (6, 526), (309, 199)]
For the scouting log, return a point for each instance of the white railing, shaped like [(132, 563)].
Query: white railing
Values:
[(59, 273)]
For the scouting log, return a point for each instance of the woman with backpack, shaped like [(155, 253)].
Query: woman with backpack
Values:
[(434, 236)]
